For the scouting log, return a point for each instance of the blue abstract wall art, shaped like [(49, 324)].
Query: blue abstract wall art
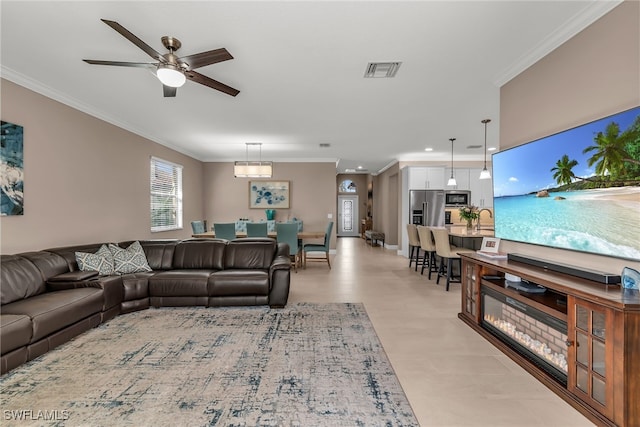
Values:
[(11, 169), (269, 194)]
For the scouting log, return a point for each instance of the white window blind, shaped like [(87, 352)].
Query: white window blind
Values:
[(166, 195)]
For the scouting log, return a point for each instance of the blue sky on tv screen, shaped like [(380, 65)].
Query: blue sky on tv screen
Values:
[(526, 168)]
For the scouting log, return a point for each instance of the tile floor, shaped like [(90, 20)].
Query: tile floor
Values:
[(451, 375)]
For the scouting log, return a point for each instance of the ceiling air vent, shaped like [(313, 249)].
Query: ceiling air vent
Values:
[(381, 69), (473, 147)]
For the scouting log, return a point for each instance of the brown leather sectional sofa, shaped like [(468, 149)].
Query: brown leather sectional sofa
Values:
[(45, 299)]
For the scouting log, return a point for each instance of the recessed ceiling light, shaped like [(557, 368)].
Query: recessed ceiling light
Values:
[(491, 149), (359, 167), (428, 149)]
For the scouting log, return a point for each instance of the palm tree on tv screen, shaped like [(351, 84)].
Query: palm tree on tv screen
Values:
[(563, 170)]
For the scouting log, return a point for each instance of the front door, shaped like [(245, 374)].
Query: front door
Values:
[(348, 216)]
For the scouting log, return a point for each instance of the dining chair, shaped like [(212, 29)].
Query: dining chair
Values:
[(257, 229), (225, 230), (428, 246), (446, 251), (198, 227), (414, 244), (317, 248), (288, 233)]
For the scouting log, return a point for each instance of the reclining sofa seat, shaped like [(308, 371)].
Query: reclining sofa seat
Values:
[(217, 272), (34, 319)]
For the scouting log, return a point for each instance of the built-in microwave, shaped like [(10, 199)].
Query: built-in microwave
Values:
[(457, 198)]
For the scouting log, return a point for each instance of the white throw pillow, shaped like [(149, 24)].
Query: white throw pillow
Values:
[(101, 261), (129, 260)]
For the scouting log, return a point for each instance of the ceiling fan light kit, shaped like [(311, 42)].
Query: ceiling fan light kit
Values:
[(170, 76)]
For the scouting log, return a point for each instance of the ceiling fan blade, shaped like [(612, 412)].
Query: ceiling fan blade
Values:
[(207, 81), (206, 58), (149, 65), (168, 91), (134, 39)]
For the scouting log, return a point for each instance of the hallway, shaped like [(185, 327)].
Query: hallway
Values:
[(451, 375)]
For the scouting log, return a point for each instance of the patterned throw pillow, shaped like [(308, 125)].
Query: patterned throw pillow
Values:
[(129, 260), (101, 261)]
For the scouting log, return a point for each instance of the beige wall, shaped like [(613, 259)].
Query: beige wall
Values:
[(313, 194), (386, 204), (595, 74), (86, 180)]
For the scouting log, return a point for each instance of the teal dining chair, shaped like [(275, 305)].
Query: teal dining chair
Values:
[(198, 227), (318, 248), (257, 229), (288, 233), (225, 230)]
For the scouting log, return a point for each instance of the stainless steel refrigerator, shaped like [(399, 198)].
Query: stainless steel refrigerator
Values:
[(426, 207)]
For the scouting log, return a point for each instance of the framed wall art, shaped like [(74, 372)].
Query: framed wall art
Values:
[(11, 169), (269, 195)]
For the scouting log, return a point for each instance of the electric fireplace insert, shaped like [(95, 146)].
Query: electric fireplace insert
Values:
[(536, 335)]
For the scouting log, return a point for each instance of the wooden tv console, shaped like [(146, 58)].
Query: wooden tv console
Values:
[(602, 334)]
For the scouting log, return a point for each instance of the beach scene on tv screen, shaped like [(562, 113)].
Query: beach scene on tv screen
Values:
[(578, 189)]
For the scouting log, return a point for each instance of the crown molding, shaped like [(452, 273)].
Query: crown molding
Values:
[(44, 90), (591, 13)]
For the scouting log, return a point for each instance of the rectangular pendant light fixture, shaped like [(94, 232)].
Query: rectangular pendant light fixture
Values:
[(248, 169), (253, 169)]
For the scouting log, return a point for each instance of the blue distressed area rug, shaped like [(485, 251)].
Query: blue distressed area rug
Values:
[(304, 365)]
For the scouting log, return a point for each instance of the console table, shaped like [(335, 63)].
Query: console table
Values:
[(578, 337)]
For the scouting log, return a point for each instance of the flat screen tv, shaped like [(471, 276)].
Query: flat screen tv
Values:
[(578, 189)]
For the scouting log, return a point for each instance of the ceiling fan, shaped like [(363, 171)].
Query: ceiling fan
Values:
[(170, 69)]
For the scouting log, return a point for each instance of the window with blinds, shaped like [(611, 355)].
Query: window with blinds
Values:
[(166, 195)]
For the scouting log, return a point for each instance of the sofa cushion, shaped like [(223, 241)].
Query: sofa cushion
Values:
[(15, 332), (101, 261), (49, 263), (200, 254), (20, 279), (250, 253), (69, 253), (179, 283), (159, 252), (52, 311), (129, 260), (239, 282)]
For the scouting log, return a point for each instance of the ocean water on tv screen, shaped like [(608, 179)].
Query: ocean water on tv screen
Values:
[(580, 224)]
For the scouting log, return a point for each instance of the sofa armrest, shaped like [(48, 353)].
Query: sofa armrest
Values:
[(279, 281), (280, 263), (72, 276)]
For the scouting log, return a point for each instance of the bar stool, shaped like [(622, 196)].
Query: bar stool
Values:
[(414, 244), (428, 246), (446, 251)]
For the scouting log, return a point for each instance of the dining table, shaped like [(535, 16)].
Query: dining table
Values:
[(302, 235)]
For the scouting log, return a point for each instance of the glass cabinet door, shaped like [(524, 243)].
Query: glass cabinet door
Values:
[(470, 286), (590, 354)]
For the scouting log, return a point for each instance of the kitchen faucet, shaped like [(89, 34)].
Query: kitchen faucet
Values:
[(480, 212)]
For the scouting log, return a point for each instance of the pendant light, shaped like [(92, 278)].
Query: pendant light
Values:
[(253, 169), (452, 181), (485, 174)]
